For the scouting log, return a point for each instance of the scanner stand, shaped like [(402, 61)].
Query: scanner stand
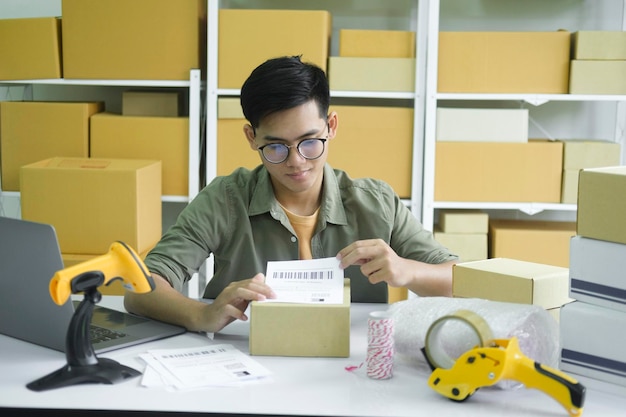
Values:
[(83, 366)]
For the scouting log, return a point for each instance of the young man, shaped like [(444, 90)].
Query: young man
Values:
[(293, 206)]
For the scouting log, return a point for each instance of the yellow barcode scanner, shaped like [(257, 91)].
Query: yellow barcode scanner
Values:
[(120, 262), (83, 365), (485, 366)]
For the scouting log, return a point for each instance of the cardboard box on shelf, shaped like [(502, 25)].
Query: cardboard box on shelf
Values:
[(597, 77), (599, 44), (152, 103), (507, 172), (233, 150), (602, 204), (504, 62), (32, 130), (463, 221), (376, 43), (468, 246), (290, 329), (371, 74), (592, 342), (569, 186), (249, 37), (364, 147), (160, 138), (140, 39), (482, 125), (94, 202), (540, 241), (32, 48), (580, 154), (512, 280), (597, 272)]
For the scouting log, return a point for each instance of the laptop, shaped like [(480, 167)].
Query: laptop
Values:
[(29, 257)]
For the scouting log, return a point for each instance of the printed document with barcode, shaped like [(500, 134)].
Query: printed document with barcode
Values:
[(312, 281)]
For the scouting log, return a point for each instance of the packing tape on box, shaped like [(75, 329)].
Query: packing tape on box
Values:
[(476, 333)]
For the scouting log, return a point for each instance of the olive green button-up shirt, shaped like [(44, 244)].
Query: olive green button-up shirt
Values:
[(238, 220)]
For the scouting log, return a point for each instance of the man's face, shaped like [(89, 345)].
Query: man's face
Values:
[(296, 174)]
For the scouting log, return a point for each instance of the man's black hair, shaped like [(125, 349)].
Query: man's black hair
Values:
[(283, 83)]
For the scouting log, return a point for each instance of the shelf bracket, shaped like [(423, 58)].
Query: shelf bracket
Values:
[(530, 209), (536, 101)]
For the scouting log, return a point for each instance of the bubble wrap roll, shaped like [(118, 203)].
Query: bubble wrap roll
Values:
[(536, 330)]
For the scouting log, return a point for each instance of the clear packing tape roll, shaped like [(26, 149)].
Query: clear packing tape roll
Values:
[(536, 330)]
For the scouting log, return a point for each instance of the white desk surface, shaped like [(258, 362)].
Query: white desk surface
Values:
[(300, 386)]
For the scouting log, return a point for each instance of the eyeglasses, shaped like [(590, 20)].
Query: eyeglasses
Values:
[(311, 148)]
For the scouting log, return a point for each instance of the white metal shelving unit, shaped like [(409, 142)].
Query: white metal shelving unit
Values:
[(433, 98), (194, 85), (416, 18)]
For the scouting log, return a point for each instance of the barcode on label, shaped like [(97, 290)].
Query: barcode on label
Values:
[(310, 275)]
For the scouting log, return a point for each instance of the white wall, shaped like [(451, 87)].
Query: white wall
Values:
[(29, 8)]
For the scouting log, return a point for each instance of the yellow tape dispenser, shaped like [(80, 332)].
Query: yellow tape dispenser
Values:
[(490, 361)]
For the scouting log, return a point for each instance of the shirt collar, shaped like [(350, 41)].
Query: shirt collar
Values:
[(332, 209)]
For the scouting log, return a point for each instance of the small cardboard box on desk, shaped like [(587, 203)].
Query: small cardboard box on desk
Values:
[(513, 281), (292, 329)]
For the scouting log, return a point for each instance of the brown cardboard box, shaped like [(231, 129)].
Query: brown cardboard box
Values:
[(504, 62), (94, 202), (30, 48), (114, 287), (31, 131), (602, 204), (365, 147), (509, 172), (247, 38), (513, 281), (152, 103), (463, 221), (376, 43), (371, 74), (545, 242), (569, 186), (597, 77), (468, 246), (139, 39), (580, 154), (233, 150), (160, 138), (599, 44), (289, 329)]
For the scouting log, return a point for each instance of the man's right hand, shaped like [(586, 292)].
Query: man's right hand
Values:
[(168, 305), (233, 301)]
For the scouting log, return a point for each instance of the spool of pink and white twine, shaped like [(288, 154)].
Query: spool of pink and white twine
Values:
[(380, 346)]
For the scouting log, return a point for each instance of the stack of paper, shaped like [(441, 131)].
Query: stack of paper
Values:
[(201, 367)]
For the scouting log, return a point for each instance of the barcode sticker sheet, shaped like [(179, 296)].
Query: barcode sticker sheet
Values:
[(313, 281), (201, 367)]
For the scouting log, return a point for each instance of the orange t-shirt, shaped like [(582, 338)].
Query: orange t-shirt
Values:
[(304, 227)]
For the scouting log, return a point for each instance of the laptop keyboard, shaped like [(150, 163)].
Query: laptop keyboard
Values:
[(100, 334)]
